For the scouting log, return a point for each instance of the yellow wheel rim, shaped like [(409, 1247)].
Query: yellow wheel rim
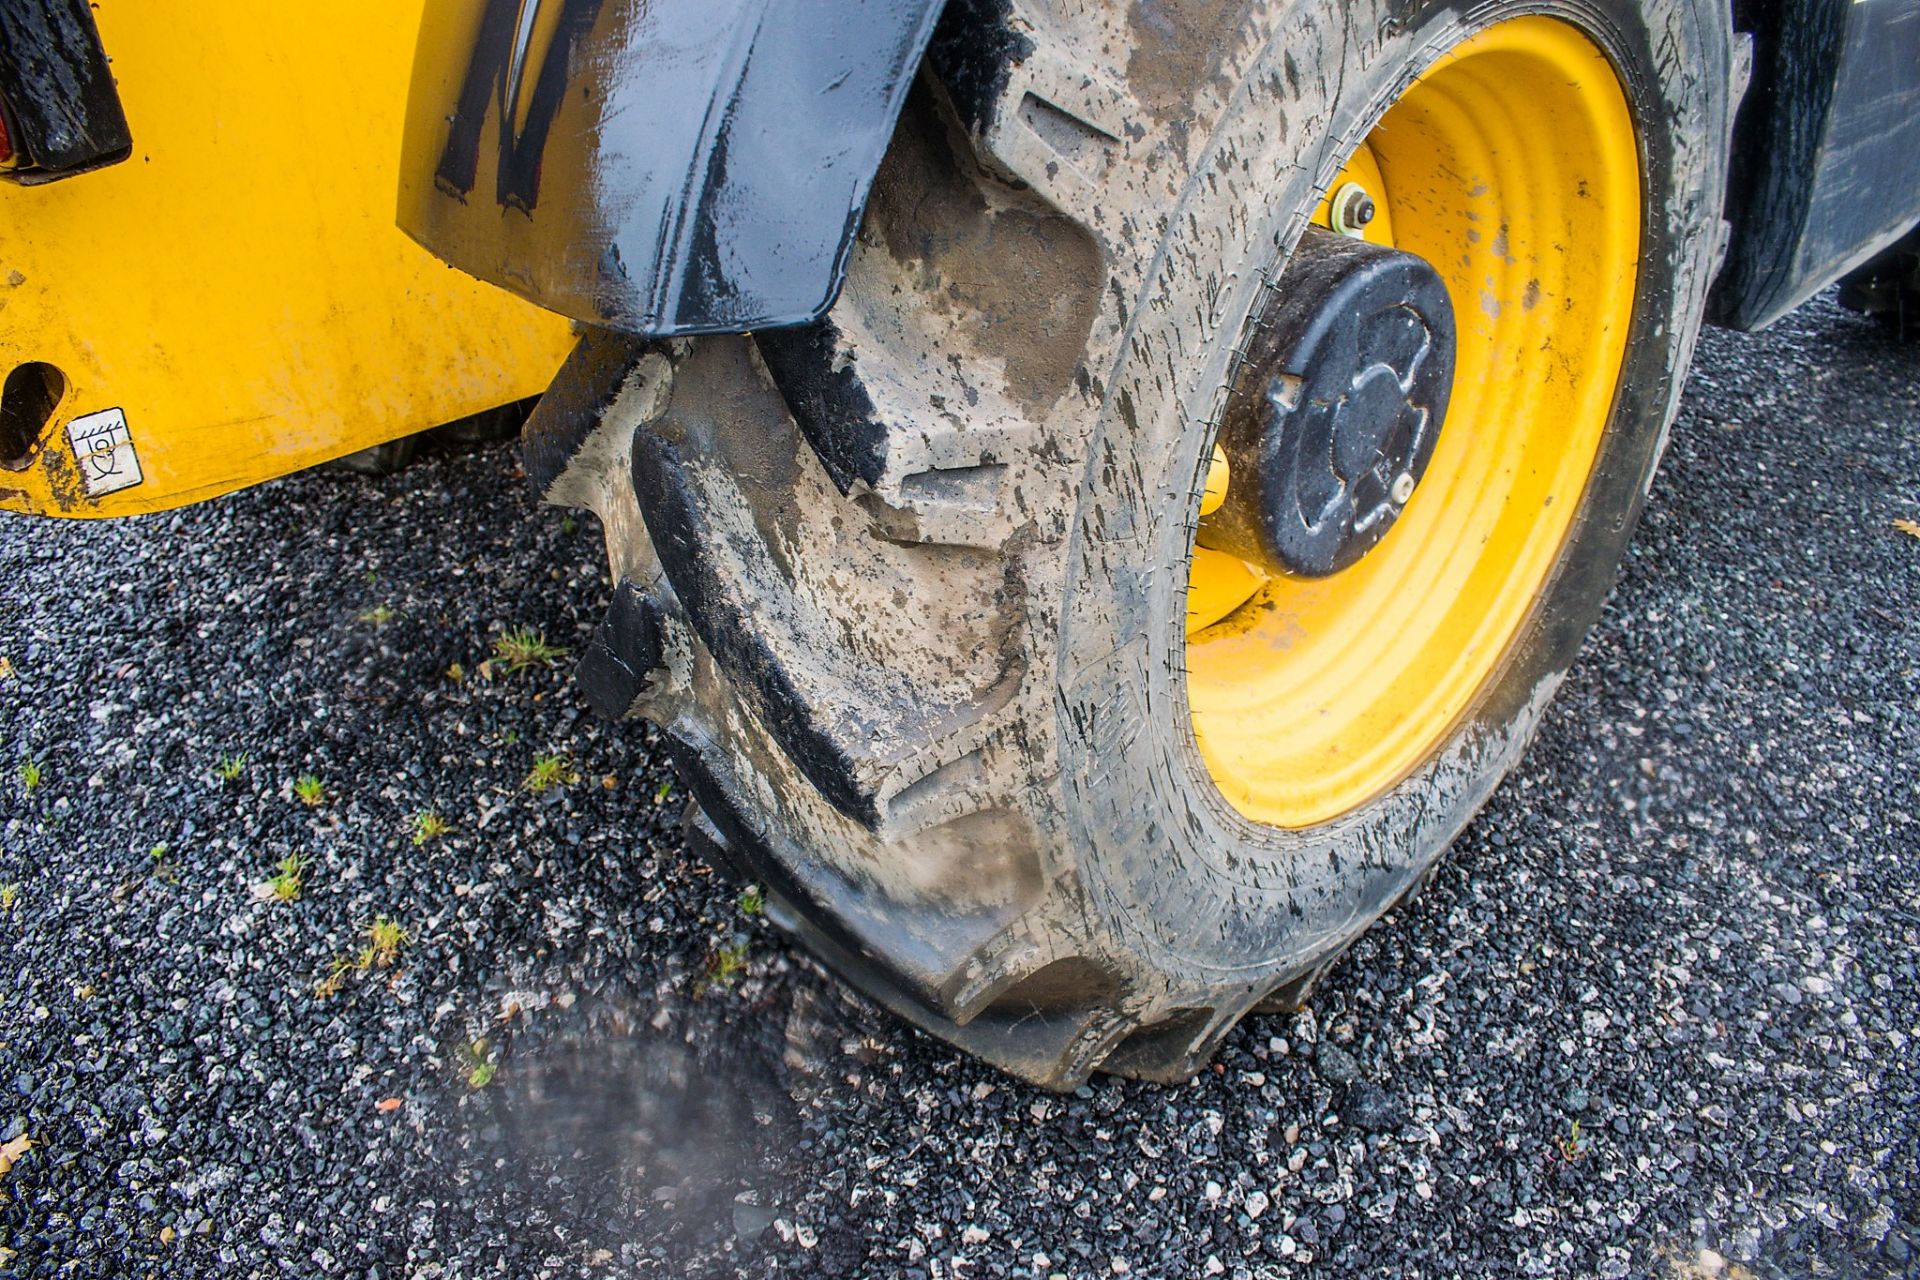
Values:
[(1511, 166)]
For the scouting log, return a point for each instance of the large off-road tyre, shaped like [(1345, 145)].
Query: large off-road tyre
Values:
[(909, 590)]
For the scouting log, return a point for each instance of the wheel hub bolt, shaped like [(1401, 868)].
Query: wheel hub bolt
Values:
[(1402, 488), (1352, 209)]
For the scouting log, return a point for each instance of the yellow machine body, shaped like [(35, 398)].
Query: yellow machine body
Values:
[(234, 302)]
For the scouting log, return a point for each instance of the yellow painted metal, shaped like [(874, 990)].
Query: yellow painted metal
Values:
[(238, 288), (1218, 584), (1215, 491), (1362, 169), (1512, 166)]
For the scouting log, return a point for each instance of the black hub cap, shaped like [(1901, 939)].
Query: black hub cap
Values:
[(1336, 409)]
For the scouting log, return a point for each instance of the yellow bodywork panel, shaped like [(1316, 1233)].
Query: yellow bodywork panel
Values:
[(234, 302)]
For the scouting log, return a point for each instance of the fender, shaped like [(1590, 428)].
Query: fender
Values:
[(663, 167), (60, 110), (1823, 151)]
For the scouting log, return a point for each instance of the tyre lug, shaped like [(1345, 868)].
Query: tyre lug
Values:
[(627, 648)]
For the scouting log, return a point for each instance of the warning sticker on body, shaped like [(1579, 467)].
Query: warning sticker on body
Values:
[(104, 449)]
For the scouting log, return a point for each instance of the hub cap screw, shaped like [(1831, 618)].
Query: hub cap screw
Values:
[(1352, 210), (1402, 488)]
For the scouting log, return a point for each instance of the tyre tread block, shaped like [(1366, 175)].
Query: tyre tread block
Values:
[(830, 404), (626, 648), (733, 630), (574, 405), (915, 951)]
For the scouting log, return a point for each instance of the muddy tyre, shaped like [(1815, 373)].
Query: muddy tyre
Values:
[(915, 591)]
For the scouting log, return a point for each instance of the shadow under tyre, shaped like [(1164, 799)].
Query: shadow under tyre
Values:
[(1173, 534)]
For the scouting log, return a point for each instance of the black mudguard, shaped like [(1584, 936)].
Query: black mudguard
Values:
[(58, 104), (1824, 172), (661, 167)]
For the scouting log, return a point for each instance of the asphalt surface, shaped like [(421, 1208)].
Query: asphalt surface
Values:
[(1687, 926)]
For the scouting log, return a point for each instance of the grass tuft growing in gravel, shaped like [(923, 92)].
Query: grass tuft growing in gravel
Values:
[(284, 884), (549, 772), (160, 864), (1573, 1146), (31, 775), (518, 648), (385, 940), (337, 974), (429, 826), (385, 937), (725, 967), (309, 790), (229, 768)]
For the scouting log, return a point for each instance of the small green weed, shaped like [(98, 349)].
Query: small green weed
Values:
[(725, 967), (309, 790), (518, 648), (380, 615), (751, 901), (1573, 1147), (31, 774), (9, 894), (229, 768), (385, 938), (476, 1059), (429, 826), (661, 792), (568, 524), (162, 863), (284, 884), (336, 978), (549, 772)]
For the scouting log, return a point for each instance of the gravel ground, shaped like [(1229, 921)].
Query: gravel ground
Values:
[(1656, 1015)]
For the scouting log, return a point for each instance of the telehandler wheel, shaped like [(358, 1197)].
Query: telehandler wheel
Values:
[(1225, 437), (489, 426), (1887, 287), (388, 458)]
